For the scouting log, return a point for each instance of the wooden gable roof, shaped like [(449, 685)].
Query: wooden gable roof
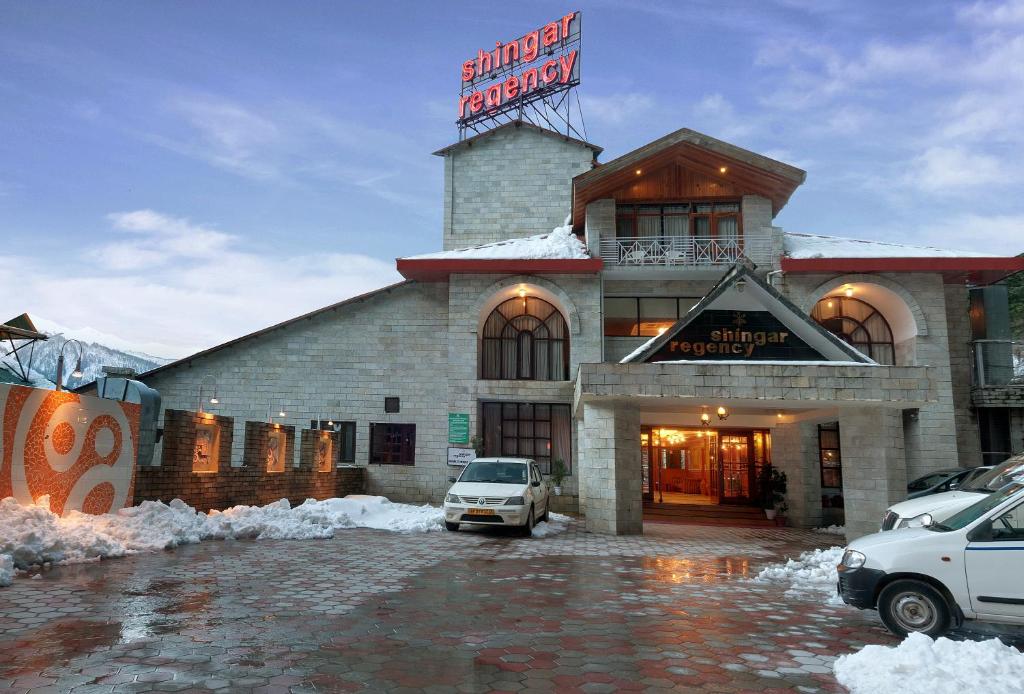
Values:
[(686, 165)]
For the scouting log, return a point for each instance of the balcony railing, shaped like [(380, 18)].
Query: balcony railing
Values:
[(998, 362), (691, 251)]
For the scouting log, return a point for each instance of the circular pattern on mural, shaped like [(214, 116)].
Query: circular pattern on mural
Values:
[(104, 442), (99, 499), (63, 438)]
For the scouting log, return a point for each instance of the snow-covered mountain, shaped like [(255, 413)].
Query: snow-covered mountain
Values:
[(100, 349)]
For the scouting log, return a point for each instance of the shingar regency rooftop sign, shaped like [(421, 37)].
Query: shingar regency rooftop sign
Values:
[(513, 75)]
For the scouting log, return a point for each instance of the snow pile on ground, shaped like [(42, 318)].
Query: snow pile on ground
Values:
[(556, 523), (559, 244), (833, 530), (922, 666), (31, 535), (814, 246), (812, 573), (6, 570)]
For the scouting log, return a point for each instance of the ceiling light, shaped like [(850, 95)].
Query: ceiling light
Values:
[(849, 290), (722, 169), (639, 171)]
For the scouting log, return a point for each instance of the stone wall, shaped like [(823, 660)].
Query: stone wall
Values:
[(968, 436), (611, 495), (233, 485), (511, 183), (874, 475)]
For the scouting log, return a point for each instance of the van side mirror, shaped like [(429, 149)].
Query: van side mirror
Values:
[(536, 483), (983, 533)]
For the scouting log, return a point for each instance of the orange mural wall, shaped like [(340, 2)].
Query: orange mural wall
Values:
[(78, 449)]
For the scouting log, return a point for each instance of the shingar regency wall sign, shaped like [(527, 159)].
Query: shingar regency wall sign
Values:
[(513, 74), (736, 336)]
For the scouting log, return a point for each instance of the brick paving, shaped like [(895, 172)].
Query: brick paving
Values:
[(673, 610)]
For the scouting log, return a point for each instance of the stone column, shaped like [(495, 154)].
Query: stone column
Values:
[(874, 466), (610, 469), (795, 452)]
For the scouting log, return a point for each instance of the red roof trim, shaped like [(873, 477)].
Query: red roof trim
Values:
[(438, 269), (990, 269)]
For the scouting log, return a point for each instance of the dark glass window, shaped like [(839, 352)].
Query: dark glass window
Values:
[(346, 434), (857, 323), (643, 316), (525, 339), (830, 456), (539, 431), (392, 444)]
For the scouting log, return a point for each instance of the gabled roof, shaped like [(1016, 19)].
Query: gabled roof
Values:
[(771, 300), (745, 172), (470, 141), (21, 328), (279, 326)]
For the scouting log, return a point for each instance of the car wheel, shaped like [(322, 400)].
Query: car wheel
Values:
[(451, 526), (527, 529), (544, 517), (908, 606)]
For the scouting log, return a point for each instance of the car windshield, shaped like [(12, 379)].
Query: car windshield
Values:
[(998, 477), (494, 471), (978, 509), (928, 481)]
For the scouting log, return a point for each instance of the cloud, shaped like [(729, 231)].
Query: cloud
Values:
[(616, 109), (717, 116), (953, 169), (998, 14), (174, 287), (1000, 234)]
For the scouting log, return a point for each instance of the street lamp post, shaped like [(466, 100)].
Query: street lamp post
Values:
[(77, 373)]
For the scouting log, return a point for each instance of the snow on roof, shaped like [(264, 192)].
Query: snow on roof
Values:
[(814, 246), (10, 372), (559, 244)]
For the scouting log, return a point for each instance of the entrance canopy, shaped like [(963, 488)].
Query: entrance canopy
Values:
[(744, 319)]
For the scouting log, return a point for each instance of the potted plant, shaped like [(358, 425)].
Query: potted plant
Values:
[(773, 491), (557, 475), (477, 442)]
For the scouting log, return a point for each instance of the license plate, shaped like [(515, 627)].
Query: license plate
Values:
[(480, 512)]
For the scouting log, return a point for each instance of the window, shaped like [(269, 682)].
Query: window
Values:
[(857, 323), (539, 431), (1009, 525), (720, 220), (346, 435), (643, 316), (392, 444), (994, 427), (392, 405), (525, 339), (830, 456)]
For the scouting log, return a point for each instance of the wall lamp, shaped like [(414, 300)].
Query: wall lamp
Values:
[(270, 414), (213, 400), (77, 373)]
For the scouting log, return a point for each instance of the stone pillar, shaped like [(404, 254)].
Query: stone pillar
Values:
[(874, 466), (795, 452), (610, 469), (600, 224)]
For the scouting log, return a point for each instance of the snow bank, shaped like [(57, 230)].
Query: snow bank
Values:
[(559, 244), (556, 523), (32, 535), (833, 530), (922, 666), (814, 246), (813, 573), (6, 570)]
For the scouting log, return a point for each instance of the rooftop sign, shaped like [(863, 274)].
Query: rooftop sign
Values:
[(505, 80)]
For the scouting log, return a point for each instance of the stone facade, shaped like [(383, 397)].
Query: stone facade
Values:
[(510, 184)]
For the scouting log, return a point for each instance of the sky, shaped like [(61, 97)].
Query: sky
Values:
[(182, 173)]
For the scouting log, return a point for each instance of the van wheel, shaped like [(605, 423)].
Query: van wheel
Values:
[(527, 528), (451, 526), (544, 518), (907, 606)]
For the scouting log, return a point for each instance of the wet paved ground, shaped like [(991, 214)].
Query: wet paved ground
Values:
[(369, 610)]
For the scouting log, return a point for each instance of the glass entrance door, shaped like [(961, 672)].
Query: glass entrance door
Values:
[(736, 469)]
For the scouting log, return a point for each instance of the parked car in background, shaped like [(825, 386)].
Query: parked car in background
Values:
[(497, 491), (943, 505), (948, 481), (932, 578)]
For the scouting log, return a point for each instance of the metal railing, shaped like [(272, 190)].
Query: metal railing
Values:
[(692, 251), (998, 362)]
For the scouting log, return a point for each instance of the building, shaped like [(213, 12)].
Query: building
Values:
[(665, 342)]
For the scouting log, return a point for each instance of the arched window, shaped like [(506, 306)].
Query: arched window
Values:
[(858, 323), (525, 339)]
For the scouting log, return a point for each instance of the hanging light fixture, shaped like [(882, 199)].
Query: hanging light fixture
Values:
[(705, 418), (723, 414), (849, 290)]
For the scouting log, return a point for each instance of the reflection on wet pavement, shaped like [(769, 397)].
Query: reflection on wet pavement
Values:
[(376, 611)]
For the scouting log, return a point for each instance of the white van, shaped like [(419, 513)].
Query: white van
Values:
[(930, 579), (941, 506)]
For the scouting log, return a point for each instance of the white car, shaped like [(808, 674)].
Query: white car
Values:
[(497, 491), (941, 506), (930, 579)]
